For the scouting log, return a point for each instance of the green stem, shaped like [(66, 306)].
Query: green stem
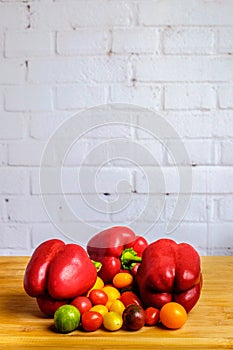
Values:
[(128, 258), (97, 264)]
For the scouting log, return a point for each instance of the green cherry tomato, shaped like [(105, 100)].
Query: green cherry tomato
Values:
[(66, 318)]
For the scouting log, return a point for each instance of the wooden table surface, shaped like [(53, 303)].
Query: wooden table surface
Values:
[(209, 325)]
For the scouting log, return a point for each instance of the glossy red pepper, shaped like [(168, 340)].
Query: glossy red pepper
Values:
[(169, 272), (58, 271), (117, 247)]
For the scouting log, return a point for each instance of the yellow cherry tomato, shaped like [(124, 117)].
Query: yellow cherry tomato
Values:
[(112, 292), (99, 284), (117, 306), (102, 309), (173, 315), (122, 280), (112, 321)]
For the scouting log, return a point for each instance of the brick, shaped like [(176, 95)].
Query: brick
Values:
[(80, 96), (41, 232), (183, 13), (28, 98), (3, 154), (225, 96), (196, 211), (194, 149), (3, 211), (83, 70), (226, 209), (82, 42), (14, 181), (226, 151), (135, 40), (188, 41), (27, 209), (9, 12), (26, 153), (167, 180), (11, 126), (183, 68), (15, 237), (136, 207), (222, 124), (87, 208), (194, 234), (84, 13), (12, 71), (225, 40), (1, 44), (189, 96), (42, 125), (180, 121), (28, 43), (220, 180), (221, 236), (148, 96)]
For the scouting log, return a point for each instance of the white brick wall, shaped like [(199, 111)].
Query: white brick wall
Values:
[(61, 57)]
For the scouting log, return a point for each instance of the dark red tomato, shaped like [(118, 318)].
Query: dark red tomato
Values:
[(129, 297), (151, 316), (98, 297), (82, 303), (91, 321)]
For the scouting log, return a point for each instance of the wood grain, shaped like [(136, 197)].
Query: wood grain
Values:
[(209, 325)]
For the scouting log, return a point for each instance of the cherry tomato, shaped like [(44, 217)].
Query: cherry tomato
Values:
[(66, 318), (99, 284), (98, 297), (122, 280), (151, 316), (112, 292), (173, 315), (82, 303), (129, 297), (134, 317), (112, 321), (91, 321), (117, 306), (110, 267), (138, 245), (102, 309)]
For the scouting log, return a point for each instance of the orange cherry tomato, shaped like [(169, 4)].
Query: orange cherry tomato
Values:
[(173, 315), (122, 280)]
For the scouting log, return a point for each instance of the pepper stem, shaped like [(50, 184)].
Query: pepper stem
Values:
[(129, 258), (97, 264)]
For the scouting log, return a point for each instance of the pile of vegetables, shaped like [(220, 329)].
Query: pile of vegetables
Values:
[(119, 281)]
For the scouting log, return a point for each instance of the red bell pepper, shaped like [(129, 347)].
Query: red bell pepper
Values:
[(59, 271), (169, 272), (116, 248)]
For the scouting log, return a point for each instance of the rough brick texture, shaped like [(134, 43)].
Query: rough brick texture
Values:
[(59, 59)]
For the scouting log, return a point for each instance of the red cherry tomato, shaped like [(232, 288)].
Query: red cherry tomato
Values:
[(152, 316), (98, 297), (82, 303), (129, 297), (91, 321), (110, 267)]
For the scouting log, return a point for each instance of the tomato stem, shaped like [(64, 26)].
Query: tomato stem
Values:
[(97, 264), (129, 258)]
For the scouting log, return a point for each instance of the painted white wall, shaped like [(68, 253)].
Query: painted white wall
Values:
[(172, 56)]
